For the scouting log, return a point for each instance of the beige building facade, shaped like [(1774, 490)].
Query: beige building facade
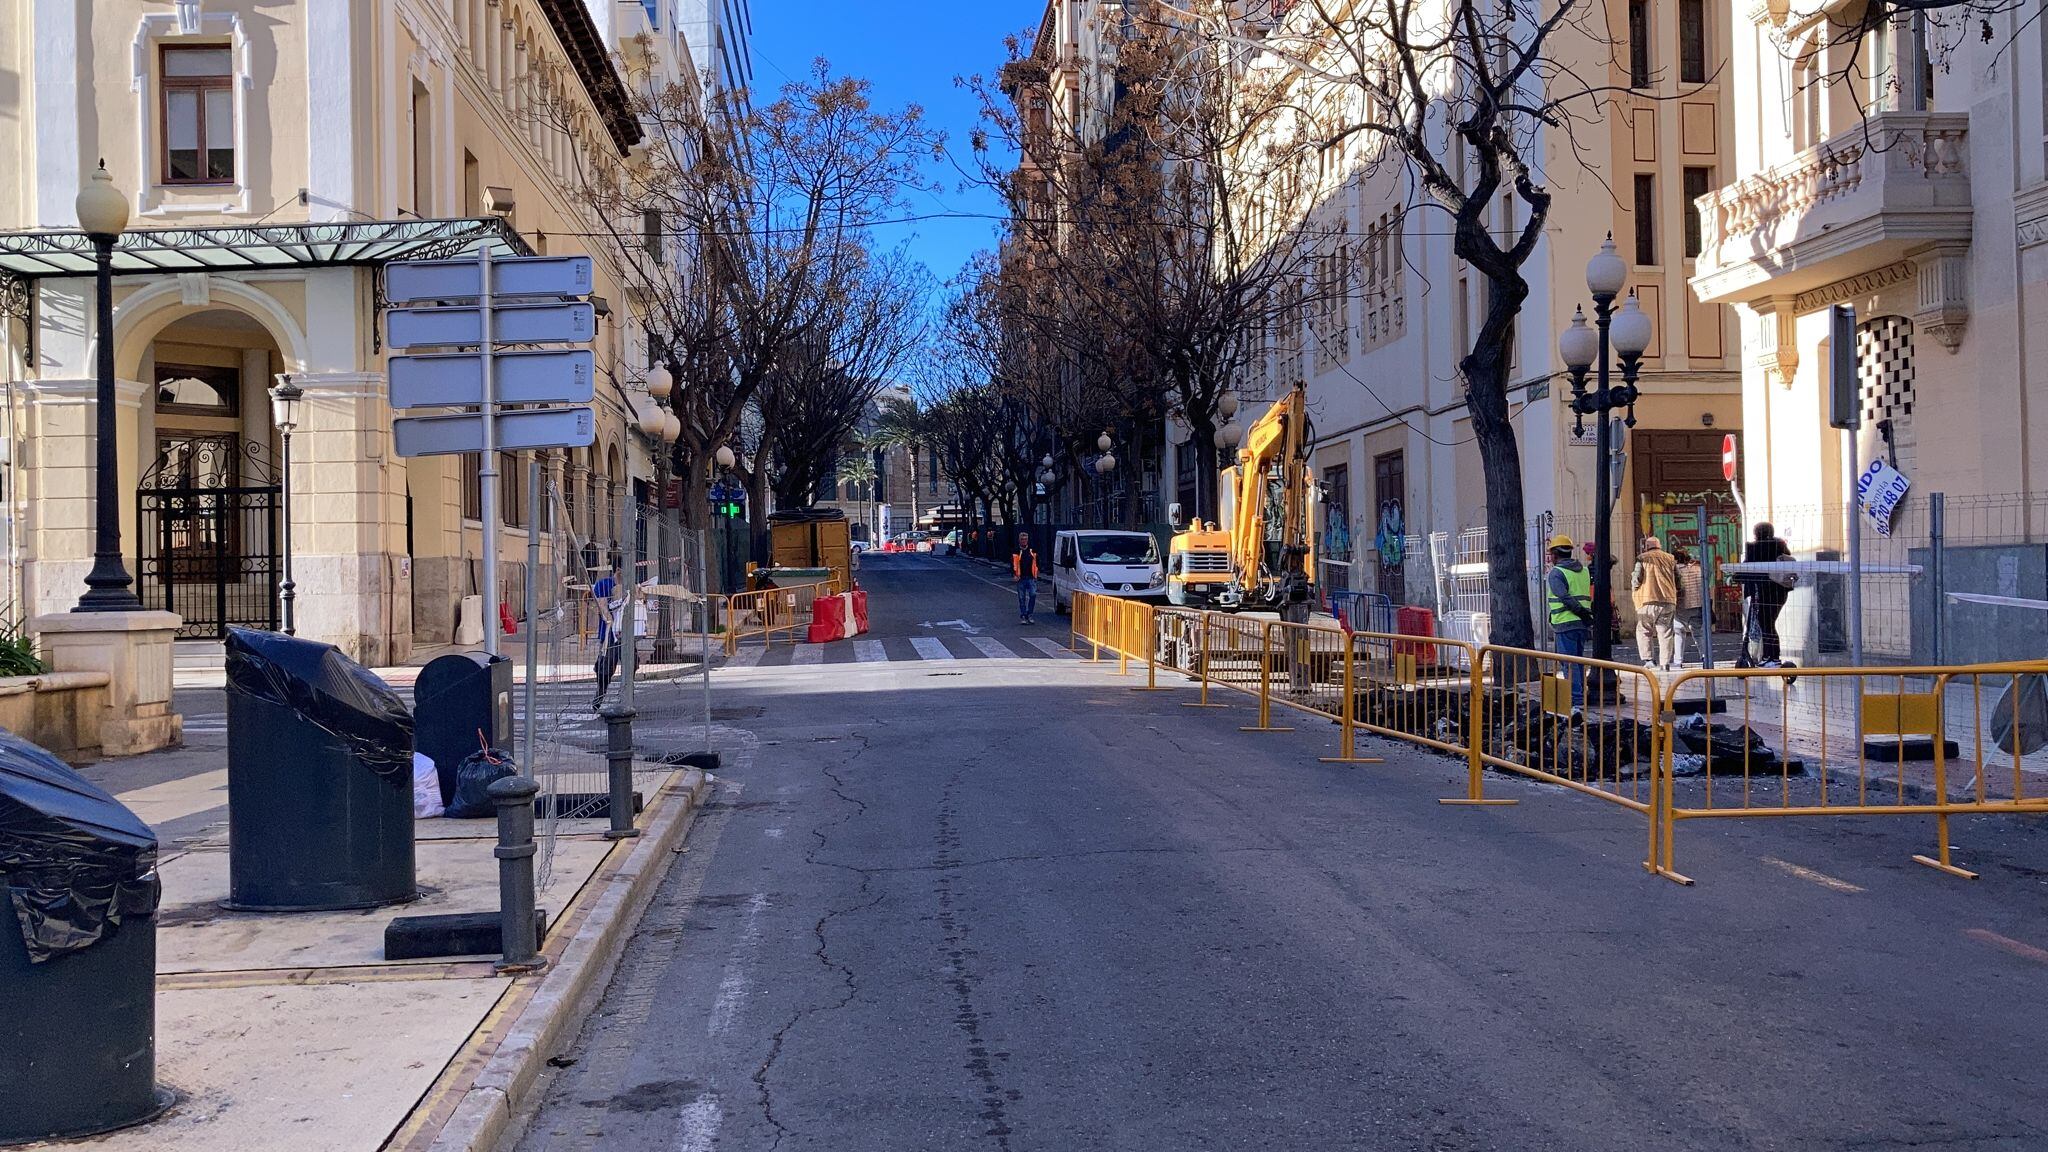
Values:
[(1394, 445), (1903, 173), (275, 159)]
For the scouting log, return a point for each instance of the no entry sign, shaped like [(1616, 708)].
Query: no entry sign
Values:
[(1728, 457)]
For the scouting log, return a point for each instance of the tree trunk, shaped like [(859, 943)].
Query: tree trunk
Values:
[(1203, 438), (1500, 458)]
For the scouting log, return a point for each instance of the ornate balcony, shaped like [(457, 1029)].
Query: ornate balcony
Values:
[(1864, 200)]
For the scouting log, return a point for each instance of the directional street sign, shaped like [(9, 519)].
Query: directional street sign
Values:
[(516, 431), (412, 281), (456, 379), (510, 324)]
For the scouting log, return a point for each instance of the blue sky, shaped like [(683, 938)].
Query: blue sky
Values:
[(911, 53)]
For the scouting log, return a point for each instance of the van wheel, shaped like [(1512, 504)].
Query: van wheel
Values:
[(1062, 607)]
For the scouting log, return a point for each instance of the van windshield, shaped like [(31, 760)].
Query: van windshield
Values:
[(1135, 548)]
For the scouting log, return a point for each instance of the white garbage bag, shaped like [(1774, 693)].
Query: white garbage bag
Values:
[(426, 788)]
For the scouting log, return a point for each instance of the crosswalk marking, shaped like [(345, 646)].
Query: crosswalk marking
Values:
[(869, 651), (930, 648), (808, 654), (1049, 648), (991, 647)]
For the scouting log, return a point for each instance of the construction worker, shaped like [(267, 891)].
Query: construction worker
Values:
[(1568, 591), (1024, 568)]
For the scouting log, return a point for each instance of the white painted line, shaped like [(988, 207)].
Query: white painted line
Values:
[(808, 654), (991, 647), (930, 648), (1050, 648), (172, 799), (737, 981), (1808, 874), (744, 658), (697, 1126), (869, 651)]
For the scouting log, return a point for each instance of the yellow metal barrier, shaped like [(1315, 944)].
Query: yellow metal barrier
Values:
[(1850, 742), (770, 610), (1784, 742)]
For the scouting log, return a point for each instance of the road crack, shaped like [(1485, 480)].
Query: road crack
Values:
[(861, 902), (963, 980)]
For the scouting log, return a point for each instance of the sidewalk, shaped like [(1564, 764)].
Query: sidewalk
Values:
[(292, 1030), (191, 672)]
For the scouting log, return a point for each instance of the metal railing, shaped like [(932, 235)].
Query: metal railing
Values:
[(1962, 740), (768, 611)]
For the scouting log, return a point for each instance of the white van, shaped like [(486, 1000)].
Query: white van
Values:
[(1106, 563)]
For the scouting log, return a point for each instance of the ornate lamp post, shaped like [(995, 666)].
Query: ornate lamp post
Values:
[(1627, 332), (1045, 478), (103, 213), (287, 404)]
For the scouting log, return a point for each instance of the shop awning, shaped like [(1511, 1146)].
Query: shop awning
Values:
[(39, 254)]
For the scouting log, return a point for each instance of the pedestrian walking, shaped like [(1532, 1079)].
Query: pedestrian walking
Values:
[(1568, 591), (1692, 598), (1655, 585), (611, 607), (1766, 592), (1024, 568)]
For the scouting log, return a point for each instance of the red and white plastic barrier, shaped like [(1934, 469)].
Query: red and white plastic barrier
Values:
[(838, 617)]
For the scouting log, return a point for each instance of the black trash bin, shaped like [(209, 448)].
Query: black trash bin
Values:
[(77, 953), (319, 779), (456, 697)]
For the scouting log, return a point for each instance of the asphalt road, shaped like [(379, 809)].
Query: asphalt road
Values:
[(972, 902)]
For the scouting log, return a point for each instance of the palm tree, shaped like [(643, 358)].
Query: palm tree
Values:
[(858, 470), (901, 424)]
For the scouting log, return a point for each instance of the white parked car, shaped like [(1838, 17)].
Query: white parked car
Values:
[(1105, 562)]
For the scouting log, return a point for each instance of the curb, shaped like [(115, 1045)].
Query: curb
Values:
[(571, 986)]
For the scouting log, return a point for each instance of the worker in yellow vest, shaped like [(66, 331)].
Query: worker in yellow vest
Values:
[(1569, 594)]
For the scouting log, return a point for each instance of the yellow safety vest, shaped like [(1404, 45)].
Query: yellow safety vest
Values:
[(1580, 582)]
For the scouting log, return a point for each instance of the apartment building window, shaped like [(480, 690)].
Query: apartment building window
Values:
[(472, 186), (1698, 182), (1639, 43), (472, 486), (198, 115), (1692, 41), (1646, 218), (511, 490), (422, 151), (650, 231)]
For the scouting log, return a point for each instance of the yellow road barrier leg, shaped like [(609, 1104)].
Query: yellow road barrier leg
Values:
[(1475, 733), (1151, 683), (1347, 721), (1940, 861), (1203, 675), (1265, 723)]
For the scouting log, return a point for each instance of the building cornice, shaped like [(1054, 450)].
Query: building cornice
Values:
[(593, 64)]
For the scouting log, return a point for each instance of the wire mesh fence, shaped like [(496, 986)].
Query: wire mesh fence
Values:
[(585, 590)]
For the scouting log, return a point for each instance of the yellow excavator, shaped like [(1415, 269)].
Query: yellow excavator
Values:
[(1258, 555)]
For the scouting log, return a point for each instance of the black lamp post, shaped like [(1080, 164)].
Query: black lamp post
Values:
[(103, 212), (1627, 332), (1045, 478), (287, 404)]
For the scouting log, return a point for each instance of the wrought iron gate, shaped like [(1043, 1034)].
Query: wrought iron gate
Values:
[(207, 527)]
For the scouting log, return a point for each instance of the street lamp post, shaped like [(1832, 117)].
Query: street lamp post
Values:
[(287, 402), (103, 213), (1045, 478), (1627, 332)]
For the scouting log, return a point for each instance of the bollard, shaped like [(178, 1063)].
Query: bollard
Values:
[(618, 722), (514, 797)]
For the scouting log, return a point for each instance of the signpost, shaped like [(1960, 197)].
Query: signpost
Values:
[(465, 310)]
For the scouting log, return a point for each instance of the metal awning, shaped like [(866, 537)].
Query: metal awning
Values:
[(39, 254)]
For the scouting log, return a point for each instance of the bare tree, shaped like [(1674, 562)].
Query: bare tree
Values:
[(740, 233), (1150, 219), (1457, 100)]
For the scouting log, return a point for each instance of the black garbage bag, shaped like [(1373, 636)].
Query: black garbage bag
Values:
[(332, 692), (74, 861), (473, 780), (2019, 721)]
